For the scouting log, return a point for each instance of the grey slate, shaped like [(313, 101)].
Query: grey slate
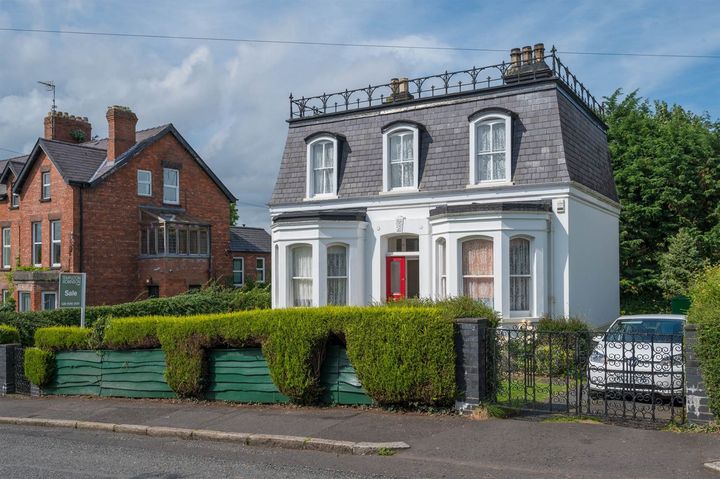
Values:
[(244, 239), (75, 163), (555, 140)]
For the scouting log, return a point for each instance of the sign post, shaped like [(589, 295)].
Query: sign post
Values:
[(71, 293)]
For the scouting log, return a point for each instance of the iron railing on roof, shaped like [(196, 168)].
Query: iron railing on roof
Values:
[(448, 83)]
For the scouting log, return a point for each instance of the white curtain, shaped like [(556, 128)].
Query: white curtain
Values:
[(441, 265), (302, 276), (337, 275), (477, 269), (520, 274), (490, 149), (402, 160)]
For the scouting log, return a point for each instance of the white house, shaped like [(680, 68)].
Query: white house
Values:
[(493, 182)]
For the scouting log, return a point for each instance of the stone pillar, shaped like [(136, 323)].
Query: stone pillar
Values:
[(696, 398), (7, 368), (470, 374)]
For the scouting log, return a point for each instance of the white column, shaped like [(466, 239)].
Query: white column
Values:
[(319, 274), (501, 270), (425, 250)]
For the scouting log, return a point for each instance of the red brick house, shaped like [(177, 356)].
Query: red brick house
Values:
[(250, 251), (140, 212)]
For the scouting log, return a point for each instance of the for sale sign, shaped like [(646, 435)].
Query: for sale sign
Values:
[(71, 293)]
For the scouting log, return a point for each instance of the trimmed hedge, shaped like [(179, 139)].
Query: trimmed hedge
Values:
[(9, 334), (39, 366), (402, 354), (208, 301), (705, 313), (58, 338)]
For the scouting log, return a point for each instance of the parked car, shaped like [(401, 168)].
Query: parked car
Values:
[(639, 356)]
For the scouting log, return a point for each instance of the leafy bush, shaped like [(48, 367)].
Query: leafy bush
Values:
[(9, 334), (705, 313), (454, 308), (571, 345), (254, 298), (39, 366), (57, 338), (401, 354)]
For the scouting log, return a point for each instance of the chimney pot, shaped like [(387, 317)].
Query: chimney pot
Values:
[(515, 58), (121, 131), (527, 55), (539, 51)]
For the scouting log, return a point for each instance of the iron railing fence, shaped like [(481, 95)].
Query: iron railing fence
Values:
[(447, 83), (620, 376)]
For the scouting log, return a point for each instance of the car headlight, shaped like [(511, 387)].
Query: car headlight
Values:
[(597, 357)]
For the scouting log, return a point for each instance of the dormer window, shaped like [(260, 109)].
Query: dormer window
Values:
[(322, 162), (400, 157), (490, 149)]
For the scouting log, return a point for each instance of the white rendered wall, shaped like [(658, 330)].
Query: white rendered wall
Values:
[(594, 263)]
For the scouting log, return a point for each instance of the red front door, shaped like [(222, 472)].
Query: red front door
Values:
[(395, 279)]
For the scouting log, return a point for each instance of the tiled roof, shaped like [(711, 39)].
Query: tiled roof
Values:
[(249, 240), (76, 163), (555, 140)]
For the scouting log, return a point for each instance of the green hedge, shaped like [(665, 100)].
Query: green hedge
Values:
[(58, 338), (705, 313), (9, 334), (403, 354), (211, 300), (39, 366)]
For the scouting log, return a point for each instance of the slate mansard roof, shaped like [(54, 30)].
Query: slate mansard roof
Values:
[(556, 139), (244, 239)]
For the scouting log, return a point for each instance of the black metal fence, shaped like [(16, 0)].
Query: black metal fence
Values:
[(624, 376)]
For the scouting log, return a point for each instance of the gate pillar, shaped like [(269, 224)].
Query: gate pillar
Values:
[(470, 353), (7, 368), (696, 397)]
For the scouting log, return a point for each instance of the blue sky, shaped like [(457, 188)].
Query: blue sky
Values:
[(231, 100)]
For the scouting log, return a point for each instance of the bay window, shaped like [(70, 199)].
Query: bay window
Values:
[(302, 281), (520, 275), (337, 275), (477, 270)]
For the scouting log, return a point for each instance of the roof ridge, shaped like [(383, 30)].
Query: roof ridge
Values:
[(136, 131), (81, 145)]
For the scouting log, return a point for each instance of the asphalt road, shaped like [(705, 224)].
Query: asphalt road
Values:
[(31, 452)]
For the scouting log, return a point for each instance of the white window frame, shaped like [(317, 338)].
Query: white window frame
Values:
[(15, 200), (45, 195), (21, 295), (36, 242), (5, 295), (48, 293), (148, 182), (310, 177), (167, 187), (399, 128), (346, 277), (525, 312), (258, 270), (241, 270), (441, 267), (293, 249), (490, 118), (7, 248), (55, 262)]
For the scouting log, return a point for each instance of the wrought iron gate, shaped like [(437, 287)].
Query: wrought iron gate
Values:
[(629, 377)]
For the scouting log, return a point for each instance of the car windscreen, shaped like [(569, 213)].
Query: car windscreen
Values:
[(646, 330)]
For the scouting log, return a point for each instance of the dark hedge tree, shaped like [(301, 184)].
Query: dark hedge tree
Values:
[(667, 170)]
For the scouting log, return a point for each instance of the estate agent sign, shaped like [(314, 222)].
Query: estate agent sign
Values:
[(72, 293)]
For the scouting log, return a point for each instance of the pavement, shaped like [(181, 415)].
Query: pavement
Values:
[(440, 445)]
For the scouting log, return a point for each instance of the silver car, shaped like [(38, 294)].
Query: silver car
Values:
[(639, 356)]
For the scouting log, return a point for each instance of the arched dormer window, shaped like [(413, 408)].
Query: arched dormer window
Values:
[(490, 147), (322, 166), (401, 147)]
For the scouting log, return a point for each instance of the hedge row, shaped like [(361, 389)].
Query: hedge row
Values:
[(9, 334), (705, 313), (402, 354), (208, 301)]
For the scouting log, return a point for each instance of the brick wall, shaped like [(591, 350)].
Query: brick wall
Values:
[(111, 227), (250, 260)]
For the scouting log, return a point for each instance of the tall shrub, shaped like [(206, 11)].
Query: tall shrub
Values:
[(705, 313)]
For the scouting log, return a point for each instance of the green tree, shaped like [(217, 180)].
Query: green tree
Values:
[(667, 170), (682, 262), (233, 214)]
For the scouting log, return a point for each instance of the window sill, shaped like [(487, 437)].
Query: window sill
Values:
[(168, 203), (174, 256), (490, 184), (399, 191), (320, 197), (45, 200), (14, 208)]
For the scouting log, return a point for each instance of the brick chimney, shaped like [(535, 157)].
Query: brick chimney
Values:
[(62, 126), (121, 130)]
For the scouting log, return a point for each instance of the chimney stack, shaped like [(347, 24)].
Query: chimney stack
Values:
[(121, 131), (527, 55), (539, 51), (400, 91), (62, 126)]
